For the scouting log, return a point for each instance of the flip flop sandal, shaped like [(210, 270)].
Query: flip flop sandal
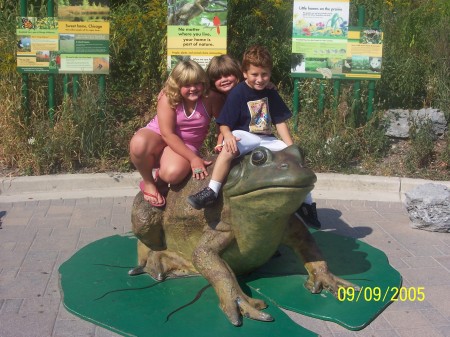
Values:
[(155, 196)]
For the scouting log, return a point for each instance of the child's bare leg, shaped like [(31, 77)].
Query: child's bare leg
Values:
[(209, 194), (173, 167), (222, 166), (145, 148)]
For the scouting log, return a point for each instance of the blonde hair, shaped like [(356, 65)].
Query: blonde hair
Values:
[(222, 65), (184, 73)]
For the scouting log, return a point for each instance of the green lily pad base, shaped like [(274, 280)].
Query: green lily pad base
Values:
[(348, 258), (96, 287)]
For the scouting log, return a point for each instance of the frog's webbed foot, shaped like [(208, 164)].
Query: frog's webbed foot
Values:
[(152, 266), (320, 278), (137, 271), (244, 306)]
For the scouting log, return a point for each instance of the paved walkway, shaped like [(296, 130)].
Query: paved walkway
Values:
[(36, 236)]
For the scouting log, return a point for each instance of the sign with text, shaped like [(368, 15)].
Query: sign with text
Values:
[(84, 37), (57, 45), (37, 44), (196, 29), (364, 53), (324, 46), (84, 47)]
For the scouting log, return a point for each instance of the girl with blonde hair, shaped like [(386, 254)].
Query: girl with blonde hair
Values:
[(171, 141)]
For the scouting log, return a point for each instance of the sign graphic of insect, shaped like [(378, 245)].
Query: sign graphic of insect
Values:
[(27, 24)]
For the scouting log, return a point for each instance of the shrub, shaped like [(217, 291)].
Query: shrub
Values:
[(421, 152)]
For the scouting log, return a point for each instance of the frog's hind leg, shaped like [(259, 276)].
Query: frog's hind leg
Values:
[(161, 264), (233, 301), (153, 256)]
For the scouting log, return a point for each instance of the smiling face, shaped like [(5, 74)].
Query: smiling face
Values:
[(225, 83), (257, 77), (192, 92)]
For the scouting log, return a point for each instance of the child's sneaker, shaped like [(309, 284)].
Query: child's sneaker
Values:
[(308, 214), (202, 199)]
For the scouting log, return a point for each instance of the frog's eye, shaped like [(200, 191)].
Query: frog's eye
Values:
[(259, 157)]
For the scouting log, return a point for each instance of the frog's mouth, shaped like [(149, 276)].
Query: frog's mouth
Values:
[(273, 198)]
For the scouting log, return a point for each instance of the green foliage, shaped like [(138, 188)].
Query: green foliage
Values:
[(138, 55), (421, 152), (329, 144), (7, 35), (416, 58), (80, 135), (445, 156), (416, 67)]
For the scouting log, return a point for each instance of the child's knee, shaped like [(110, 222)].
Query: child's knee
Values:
[(227, 155), (173, 175), (138, 145)]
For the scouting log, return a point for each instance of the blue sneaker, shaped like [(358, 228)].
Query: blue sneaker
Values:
[(202, 199)]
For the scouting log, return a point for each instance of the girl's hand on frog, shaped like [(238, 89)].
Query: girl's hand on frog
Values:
[(198, 167)]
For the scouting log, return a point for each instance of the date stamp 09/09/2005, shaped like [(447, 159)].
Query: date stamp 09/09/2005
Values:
[(377, 294)]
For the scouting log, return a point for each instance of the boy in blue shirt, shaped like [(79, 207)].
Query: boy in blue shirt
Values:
[(246, 122)]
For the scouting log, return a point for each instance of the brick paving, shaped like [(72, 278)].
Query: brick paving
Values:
[(36, 237)]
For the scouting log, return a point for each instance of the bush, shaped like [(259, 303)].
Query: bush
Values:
[(81, 135), (421, 152)]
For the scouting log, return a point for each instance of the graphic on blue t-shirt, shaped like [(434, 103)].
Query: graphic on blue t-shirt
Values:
[(260, 117)]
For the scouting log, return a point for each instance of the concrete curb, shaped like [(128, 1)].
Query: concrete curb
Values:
[(75, 186), (68, 186), (371, 188)]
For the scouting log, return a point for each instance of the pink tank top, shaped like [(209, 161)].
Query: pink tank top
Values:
[(193, 129)]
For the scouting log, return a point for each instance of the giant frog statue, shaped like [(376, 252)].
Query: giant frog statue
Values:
[(238, 234)]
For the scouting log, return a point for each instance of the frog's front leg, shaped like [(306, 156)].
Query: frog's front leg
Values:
[(233, 301), (302, 242)]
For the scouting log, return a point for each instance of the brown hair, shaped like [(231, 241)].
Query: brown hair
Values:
[(222, 65), (257, 56), (184, 73)]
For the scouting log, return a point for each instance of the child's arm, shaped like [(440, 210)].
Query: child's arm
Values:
[(219, 145), (229, 139), (167, 126), (283, 132)]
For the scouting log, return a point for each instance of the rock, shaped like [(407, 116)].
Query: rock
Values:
[(398, 126), (399, 121), (428, 206), (436, 117)]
